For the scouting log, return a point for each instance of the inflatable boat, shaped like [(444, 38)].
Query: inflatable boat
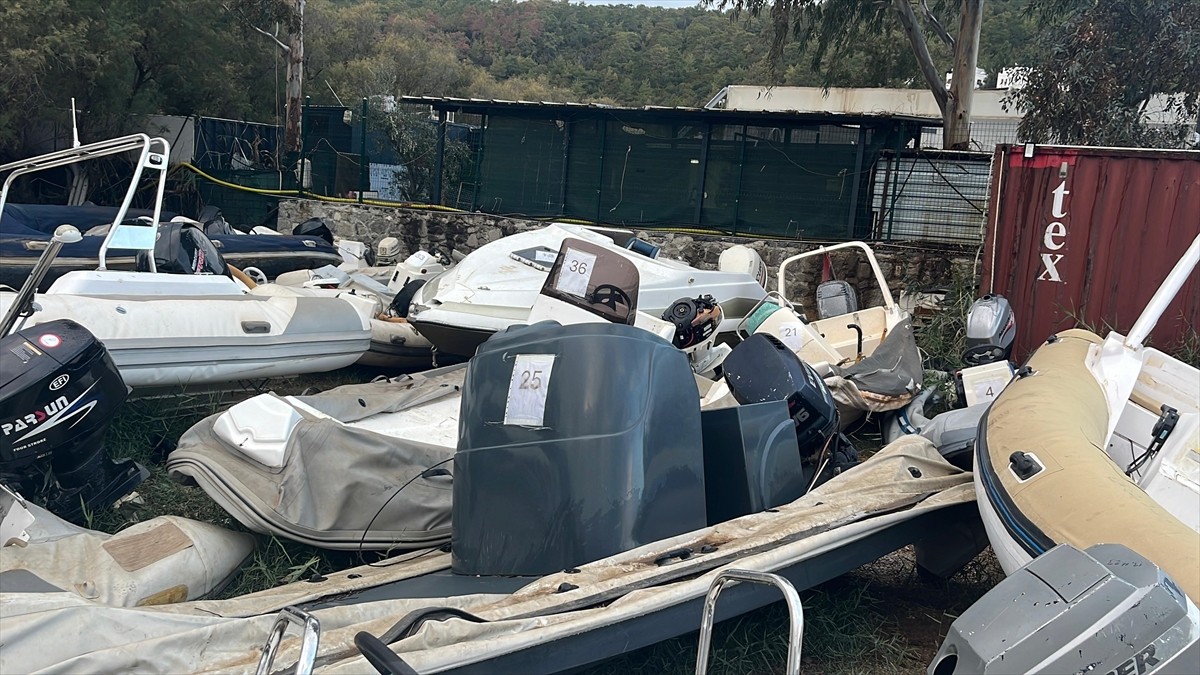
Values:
[(593, 501), (495, 286), (395, 342), (25, 230), (868, 357), (184, 320), (1097, 441)]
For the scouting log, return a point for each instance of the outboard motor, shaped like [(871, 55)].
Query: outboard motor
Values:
[(550, 475), (59, 390), (991, 328), (695, 320), (387, 253), (763, 369), (315, 227), (1105, 610), (740, 259), (182, 248)]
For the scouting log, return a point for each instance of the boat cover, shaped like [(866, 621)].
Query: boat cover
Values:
[(226, 635), (886, 380), (335, 480), (25, 229), (162, 560)]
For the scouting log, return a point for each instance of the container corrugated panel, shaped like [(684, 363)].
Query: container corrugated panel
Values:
[(938, 199), (1085, 236)]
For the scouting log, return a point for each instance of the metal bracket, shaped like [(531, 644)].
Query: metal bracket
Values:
[(795, 614), (311, 631)]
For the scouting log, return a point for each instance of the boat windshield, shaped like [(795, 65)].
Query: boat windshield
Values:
[(595, 279)]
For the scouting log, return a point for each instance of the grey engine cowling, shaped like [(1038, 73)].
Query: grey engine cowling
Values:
[(1107, 611), (991, 328)]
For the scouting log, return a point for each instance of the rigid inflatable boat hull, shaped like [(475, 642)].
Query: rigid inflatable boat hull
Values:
[(1058, 415), (182, 340)]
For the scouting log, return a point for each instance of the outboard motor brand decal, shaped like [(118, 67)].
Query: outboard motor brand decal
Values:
[(59, 382), (49, 416), (34, 418)]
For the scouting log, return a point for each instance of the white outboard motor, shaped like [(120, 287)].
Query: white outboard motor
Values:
[(418, 266), (387, 252), (745, 260), (696, 321), (991, 328)]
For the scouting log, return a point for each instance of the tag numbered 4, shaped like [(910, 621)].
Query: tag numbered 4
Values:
[(527, 390), (576, 272)]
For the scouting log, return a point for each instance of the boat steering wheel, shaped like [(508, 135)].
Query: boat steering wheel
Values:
[(609, 295)]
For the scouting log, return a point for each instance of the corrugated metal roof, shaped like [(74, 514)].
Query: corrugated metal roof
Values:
[(484, 106)]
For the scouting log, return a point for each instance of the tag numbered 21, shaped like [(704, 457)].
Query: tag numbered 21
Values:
[(527, 390)]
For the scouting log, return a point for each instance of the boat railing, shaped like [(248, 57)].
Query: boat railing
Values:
[(310, 640), (888, 303), (152, 153), (1163, 296), (734, 576)]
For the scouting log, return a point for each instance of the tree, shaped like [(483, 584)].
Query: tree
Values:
[(289, 15), (839, 23), (1107, 64)]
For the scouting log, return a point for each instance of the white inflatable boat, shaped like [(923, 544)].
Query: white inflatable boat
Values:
[(198, 325), (495, 286), (868, 357), (395, 343)]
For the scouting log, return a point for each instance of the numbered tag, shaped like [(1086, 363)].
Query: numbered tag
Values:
[(545, 256), (576, 272), (792, 335), (527, 390), (989, 389), (418, 259)]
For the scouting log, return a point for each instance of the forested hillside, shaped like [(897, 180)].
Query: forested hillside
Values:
[(214, 57)]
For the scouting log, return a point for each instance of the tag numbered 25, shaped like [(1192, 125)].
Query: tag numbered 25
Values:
[(527, 390), (576, 272)]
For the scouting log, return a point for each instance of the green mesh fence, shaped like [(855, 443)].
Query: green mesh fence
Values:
[(811, 181)]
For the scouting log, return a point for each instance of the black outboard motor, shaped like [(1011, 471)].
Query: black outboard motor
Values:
[(182, 248), (316, 227), (763, 369), (59, 390), (991, 329), (695, 319)]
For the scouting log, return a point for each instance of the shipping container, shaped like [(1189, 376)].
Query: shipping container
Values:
[(1084, 236)]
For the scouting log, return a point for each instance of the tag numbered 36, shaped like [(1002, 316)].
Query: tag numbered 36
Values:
[(527, 390), (576, 272)]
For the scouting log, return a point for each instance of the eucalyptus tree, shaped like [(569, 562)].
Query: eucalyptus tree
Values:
[(828, 24), (1114, 72)]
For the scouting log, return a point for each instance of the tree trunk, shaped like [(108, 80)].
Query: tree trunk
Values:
[(295, 80), (956, 135), (916, 39)]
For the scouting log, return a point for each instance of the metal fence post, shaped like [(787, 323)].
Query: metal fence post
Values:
[(440, 157), (364, 169), (303, 145)]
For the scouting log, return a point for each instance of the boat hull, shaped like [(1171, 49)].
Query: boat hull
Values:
[(179, 340), (1079, 496)]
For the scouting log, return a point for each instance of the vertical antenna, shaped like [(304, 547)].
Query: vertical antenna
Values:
[(74, 126)]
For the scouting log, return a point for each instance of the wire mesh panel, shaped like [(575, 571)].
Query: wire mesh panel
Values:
[(651, 173), (523, 163), (931, 196)]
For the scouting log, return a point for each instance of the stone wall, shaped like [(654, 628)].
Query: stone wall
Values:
[(904, 266)]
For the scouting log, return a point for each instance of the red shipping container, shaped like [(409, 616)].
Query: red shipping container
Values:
[(1084, 236)]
